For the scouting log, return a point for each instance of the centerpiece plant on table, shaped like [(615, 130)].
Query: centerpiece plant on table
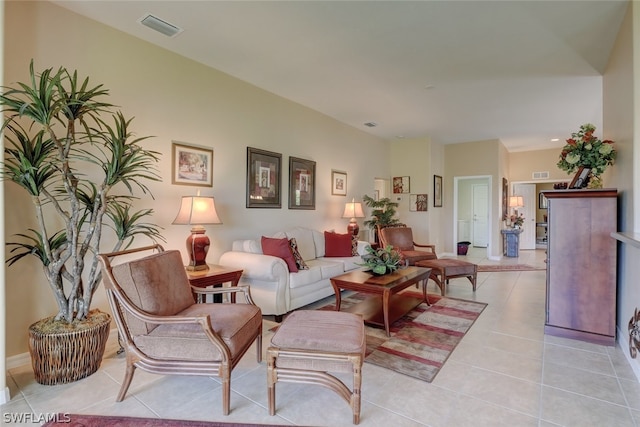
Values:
[(79, 163), (382, 260)]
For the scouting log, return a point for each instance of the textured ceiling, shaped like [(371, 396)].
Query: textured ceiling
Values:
[(523, 72)]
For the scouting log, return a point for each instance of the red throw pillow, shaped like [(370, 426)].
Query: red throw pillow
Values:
[(337, 245), (279, 248)]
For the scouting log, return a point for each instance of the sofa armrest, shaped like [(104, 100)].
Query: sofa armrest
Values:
[(256, 266)]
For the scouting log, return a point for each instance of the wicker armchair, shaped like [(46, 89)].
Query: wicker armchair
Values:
[(165, 332), (401, 238)]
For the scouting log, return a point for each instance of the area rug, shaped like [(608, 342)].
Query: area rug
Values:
[(422, 340), (78, 420), (514, 267)]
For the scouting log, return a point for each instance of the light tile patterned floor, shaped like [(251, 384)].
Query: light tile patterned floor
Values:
[(505, 372)]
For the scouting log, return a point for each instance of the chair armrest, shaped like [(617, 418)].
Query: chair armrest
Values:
[(432, 247)]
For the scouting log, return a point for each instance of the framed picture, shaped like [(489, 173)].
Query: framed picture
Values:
[(263, 178), (338, 183), (302, 183), (401, 184), (542, 201), (191, 165), (437, 191), (419, 203), (505, 197), (580, 180)]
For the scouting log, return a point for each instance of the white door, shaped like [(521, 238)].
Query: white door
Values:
[(528, 193), (480, 208)]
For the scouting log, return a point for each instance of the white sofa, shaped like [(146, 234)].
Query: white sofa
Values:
[(273, 288)]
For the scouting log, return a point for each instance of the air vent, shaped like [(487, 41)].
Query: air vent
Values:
[(371, 124), (160, 26), (540, 175)]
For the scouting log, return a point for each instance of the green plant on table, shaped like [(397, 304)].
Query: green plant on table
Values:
[(382, 260)]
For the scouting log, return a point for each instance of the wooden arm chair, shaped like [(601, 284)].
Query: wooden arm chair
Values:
[(401, 238), (162, 328)]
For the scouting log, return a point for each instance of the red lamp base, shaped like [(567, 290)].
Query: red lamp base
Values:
[(353, 228), (197, 248)]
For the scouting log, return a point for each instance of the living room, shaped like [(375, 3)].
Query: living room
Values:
[(179, 100)]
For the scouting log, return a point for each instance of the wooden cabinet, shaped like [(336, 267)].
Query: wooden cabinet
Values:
[(581, 265)]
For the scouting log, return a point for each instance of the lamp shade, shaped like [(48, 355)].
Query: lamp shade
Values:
[(353, 209), (516, 201), (197, 210)]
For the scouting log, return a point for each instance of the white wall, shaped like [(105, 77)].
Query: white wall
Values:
[(175, 99)]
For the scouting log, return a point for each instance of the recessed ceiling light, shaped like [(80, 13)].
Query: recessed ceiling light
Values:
[(555, 139), (429, 87), (160, 25), (371, 124)]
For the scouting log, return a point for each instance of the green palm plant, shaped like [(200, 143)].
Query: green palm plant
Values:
[(79, 162)]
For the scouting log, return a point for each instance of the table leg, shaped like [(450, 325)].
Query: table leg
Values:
[(385, 310), (336, 290)]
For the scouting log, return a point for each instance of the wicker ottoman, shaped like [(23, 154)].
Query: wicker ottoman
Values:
[(309, 344), (444, 269)]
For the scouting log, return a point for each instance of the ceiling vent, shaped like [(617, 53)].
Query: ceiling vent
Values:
[(371, 124), (540, 175), (160, 26)]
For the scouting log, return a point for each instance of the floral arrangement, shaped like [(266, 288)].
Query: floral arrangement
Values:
[(382, 260), (514, 220), (583, 149)]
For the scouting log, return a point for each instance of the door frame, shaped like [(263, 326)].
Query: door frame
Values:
[(491, 225)]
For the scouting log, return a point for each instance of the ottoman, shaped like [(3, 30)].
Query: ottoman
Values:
[(444, 269), (311, 343)]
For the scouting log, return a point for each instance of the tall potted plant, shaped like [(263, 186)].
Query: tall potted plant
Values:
[(383, 212), (76, 158)]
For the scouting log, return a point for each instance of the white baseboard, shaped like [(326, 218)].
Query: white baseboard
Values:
[(624, 345), (5, 397)]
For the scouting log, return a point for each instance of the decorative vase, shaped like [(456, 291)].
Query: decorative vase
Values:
[(595, 181), (60, 357)]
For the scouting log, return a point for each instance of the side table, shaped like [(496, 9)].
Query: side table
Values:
[(215, 276), (511, 241)]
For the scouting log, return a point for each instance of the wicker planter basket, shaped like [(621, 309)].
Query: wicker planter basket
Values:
[(61, 357)]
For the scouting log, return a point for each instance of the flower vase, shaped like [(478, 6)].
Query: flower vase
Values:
[(595, 181)]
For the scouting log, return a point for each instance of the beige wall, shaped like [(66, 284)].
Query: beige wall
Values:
[(523, 164), (177, 99)]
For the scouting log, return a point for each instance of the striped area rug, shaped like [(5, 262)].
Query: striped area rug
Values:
[(422, 340)]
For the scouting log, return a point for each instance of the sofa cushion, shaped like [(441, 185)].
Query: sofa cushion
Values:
[(251, 246), (305, 277), (296, 255), (304, 239), (329, 267), (338, 245), (279, 248)]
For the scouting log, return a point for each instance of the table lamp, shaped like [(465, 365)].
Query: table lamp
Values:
[(197, 211), (353, 210), (516, 202)]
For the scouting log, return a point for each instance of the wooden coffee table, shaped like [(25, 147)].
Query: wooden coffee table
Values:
[(384, 306)]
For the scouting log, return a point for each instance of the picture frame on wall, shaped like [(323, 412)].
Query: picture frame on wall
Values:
[(191, 165), (302, 183), (437, 191), (263, 178), (505, 197), (401, 184), (419, 203), (338, 183)]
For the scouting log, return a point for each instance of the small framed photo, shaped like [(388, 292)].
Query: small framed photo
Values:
[(542, 201), (338, 183), (437, 191), (580, 179), (263, 178), (302, 183), (191, 165), (401, 185), (418, 203)]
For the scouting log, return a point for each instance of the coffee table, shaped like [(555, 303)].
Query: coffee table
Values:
[(384, 306)]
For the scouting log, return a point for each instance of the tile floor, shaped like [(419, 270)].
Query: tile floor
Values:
[(505, 372)]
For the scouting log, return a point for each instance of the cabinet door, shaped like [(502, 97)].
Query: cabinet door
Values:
[(581, 256)]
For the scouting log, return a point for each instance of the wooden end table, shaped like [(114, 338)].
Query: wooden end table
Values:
[(384, 306), (215, 276)]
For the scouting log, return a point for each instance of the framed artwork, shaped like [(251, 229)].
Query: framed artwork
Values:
[(419, 203), (338, 183), (263, 178), (401, 184), (191, 165), (437, 191), (505, 197), (542, 201), (302, 183)]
